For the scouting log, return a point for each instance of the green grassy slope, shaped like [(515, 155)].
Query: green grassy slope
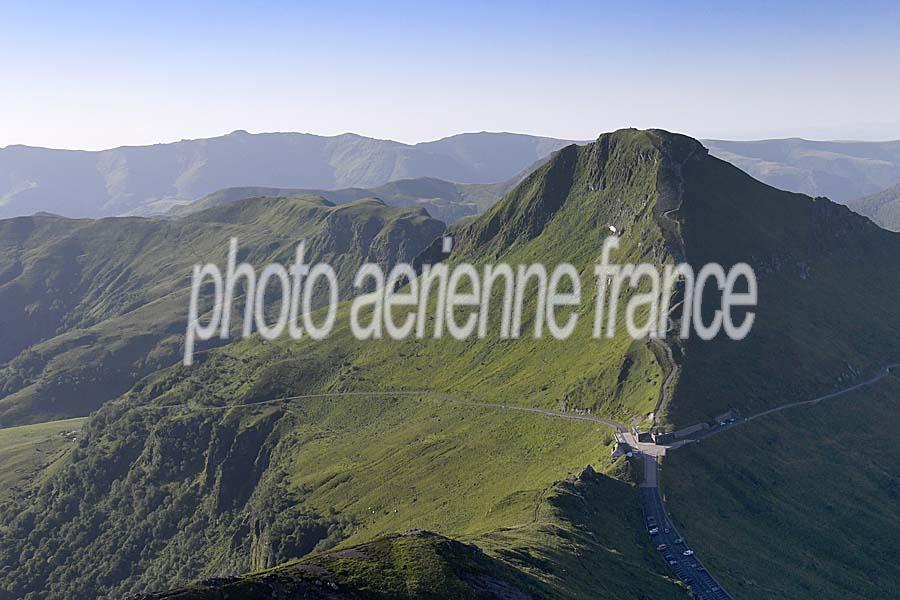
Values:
[(216, 495), (30, 452), (826, 277), (89, 307), (445, 201), (409, 565), (198, 483), (584, 541), (187, 493), (822, 320), (804, 504), (828, 283)]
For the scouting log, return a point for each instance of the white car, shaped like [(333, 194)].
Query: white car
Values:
[(688, 552)]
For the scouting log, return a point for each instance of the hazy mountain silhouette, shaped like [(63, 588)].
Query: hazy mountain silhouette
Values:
[(149, 179), (841, 171)]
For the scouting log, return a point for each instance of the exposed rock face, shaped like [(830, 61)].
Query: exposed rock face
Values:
[(587, 473)]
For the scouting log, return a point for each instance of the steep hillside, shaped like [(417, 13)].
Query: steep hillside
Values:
[(840, 171), (414, 564), (89, 307), (149, 179), (30, 453), (585, 542), (445, 201), (828, 279), (804, 504), (883, 207), (825, 277), (153, 496), (261, 453)]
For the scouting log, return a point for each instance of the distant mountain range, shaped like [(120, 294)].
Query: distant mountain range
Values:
[(841, 171), (883, 207), (144, 180), (452, 178)]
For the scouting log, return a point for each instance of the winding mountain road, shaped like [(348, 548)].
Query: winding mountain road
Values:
[(687, 568), (690, 569), (883, 373), (886, 371), (559, 414)]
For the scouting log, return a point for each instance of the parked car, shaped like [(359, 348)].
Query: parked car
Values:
[(688, 552)]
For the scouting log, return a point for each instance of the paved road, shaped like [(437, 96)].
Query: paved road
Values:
[(688, 569), (651, 471), (559, 414), (881, 375), (885, 372)]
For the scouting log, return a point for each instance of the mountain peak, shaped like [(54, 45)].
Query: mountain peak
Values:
[(616, 178)]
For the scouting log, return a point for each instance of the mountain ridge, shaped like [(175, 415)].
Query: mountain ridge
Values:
[(151, 179), (443, 200), (90, 306), (838, 170), (299, 446), (135, 179), (883, 208)]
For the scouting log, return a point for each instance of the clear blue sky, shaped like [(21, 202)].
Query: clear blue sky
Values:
[(96, 75)]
